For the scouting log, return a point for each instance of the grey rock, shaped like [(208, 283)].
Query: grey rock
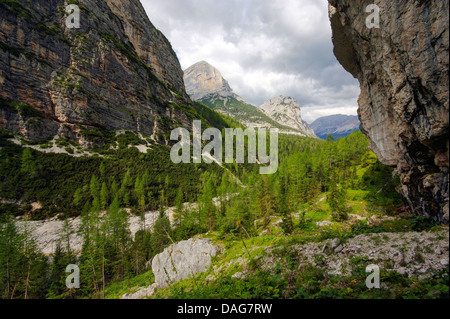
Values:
[(286, 111), (384, 253), (335, 243), (47, 233), (202, 79), (117, 72), (339, 249), (324, 223), (183, 260), (403, 70), (142, 293)]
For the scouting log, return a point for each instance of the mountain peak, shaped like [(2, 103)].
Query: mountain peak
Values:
[(286, 110), (202, 79), (205, 83), (281, 100)]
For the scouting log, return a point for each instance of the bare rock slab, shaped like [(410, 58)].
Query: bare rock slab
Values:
[(183, 260)]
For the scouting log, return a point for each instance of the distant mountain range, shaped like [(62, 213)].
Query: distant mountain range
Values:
[(338, 125), (204, 83)]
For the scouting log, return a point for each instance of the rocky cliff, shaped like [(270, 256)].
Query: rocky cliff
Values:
[(202, 80), (117, 71), (402, 67), (286, 111)]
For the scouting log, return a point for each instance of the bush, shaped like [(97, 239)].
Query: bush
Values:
[(421, 223)]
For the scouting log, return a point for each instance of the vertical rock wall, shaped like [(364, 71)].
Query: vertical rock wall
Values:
[(115, 72), (402, 67)]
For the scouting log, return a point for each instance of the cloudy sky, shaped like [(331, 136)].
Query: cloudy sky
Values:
[(264, 48)]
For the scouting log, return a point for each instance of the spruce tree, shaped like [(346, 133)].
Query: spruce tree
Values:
[(28, 164), (179, 206), (94, 187), (104, 196)]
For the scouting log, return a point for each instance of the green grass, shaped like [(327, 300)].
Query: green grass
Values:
[(318, 215), (129, 286)]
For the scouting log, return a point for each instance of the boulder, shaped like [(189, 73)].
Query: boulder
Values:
[(183, 260)]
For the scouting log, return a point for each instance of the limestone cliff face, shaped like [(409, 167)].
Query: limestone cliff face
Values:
[(202, 80), (286, 111), (150, 44), (117, 71), (402, 68)]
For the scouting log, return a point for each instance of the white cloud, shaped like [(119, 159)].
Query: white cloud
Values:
[(264, 48)]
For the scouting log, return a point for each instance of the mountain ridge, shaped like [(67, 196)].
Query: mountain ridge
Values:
[(206, 84), (286, 110), (337, 125)]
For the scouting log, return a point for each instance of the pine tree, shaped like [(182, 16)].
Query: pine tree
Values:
[(78, 197), (337, 201), (179, 206), (207, 208), (224, 192), (127, 183), (114, 189), (161, 235), (94, 187), (35, 266), (90, 263), (284, 206), (57, 273), (28, 164), (66, 232), (10, 259), (167, 182), (102, 170), (266, 202), (104, 196), (139, 192), (117, 231)]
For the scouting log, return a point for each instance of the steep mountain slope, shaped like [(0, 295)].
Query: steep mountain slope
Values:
[(403, 69), (286, 110), (338, 125), (116, 72), (206, 84), (96, 103)]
